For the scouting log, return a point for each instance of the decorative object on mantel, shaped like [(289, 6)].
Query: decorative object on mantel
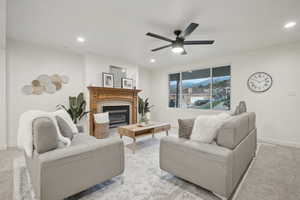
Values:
[(99, 95), (45, 83), (144, 111), (260, 82), (127, 83), (119, 73), (77, 108), (107, 80)]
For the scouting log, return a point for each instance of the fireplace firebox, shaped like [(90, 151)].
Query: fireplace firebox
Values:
[(118, 115)]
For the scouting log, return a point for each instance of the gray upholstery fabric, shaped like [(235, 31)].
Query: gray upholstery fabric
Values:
[(243, 155), (234, 130), (45, 137), (209, 166), (64, 128), (80, 128), (185, 127), (63, 172), (214, 167)]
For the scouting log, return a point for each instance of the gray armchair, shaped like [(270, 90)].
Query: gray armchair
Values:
[(62, 172), (217, 167)]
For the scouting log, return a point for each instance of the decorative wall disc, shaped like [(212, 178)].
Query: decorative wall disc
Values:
[(45, 83), (27, 89)]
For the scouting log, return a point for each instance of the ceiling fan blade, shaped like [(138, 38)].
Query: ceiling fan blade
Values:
[(189, 30), (159, 48), (159, 37), (198, 42)]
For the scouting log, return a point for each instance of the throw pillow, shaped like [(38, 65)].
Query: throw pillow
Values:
[(206, 127), (185, 128), (65, 115), (45, 136), (242, 107), (64, 127)]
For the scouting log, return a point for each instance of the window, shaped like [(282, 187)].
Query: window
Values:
[(195, 90), (201, 89)]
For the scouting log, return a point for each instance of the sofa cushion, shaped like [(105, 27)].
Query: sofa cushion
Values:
[(235, 130), (45, 136), (83, 139), (185, 128), (64, 128)]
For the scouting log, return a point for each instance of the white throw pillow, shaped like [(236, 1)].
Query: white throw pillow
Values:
[(65, 115), (101, 118), (206, 127)]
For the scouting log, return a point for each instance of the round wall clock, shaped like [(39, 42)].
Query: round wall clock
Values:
[(260, 82)]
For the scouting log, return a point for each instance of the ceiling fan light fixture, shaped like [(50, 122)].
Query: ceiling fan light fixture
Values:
[(177, 49)]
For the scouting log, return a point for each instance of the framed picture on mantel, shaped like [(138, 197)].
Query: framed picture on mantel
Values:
[(107, 80), (127, 83)]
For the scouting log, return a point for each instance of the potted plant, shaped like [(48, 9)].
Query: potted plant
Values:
[(144, 110), (77, 108)]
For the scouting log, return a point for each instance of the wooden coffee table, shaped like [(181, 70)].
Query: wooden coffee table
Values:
[(135, 130)]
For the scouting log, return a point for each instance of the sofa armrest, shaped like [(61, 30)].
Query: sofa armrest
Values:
[(207, 165), (67, 171), (206, 151), (72, 152)]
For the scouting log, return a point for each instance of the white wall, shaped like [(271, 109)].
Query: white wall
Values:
[(277, 109), (25, 62), (145, 78), (3, 108), (96, 64)]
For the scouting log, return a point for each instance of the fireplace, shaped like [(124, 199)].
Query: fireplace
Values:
[(118, 115), (101, 96)]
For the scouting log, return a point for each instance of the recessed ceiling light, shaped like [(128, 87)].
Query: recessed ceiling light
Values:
[(152, 60), (80, 39), (290, 25)]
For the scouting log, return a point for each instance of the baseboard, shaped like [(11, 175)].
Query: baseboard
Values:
[(278, 142)]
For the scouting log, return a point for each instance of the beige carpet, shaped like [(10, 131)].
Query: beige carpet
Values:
[(274, 175)]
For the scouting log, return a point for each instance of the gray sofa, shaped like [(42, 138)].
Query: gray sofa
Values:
[(62, 172), (217, 167)]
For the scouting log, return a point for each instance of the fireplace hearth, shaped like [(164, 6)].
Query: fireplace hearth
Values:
[(118, 115)]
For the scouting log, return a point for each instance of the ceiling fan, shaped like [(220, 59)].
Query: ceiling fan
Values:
[(179, 42)]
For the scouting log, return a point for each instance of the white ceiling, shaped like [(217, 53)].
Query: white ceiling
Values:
[(116, 28)]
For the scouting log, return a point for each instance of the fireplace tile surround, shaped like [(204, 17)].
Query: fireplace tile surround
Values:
[(101, 97)]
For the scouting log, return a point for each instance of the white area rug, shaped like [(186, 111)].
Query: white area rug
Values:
[(143, 179)]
